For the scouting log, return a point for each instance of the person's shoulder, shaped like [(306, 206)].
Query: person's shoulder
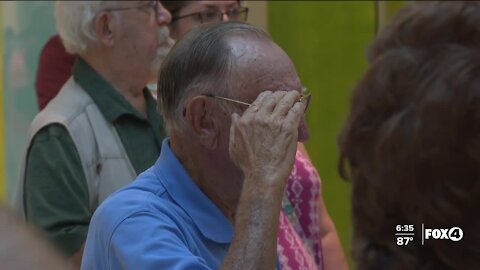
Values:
[(70, 102), (53, 130), (142, 195)]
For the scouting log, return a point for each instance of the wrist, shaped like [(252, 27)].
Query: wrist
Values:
[(264, 184)]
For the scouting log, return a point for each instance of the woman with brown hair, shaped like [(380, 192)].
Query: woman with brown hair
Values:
[(411, 142)]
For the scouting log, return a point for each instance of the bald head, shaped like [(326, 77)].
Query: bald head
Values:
[(260, 65), (204, 59)]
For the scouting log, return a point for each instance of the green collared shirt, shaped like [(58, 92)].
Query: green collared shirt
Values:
[(56, 193)]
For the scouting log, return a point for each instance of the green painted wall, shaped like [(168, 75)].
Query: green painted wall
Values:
[(327, 41), (26, 26), (392, 7), (2, 128)]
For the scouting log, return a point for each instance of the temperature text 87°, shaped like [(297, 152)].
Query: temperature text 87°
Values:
[(404, 240)]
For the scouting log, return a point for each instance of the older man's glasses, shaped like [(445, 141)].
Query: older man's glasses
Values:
[(215, 15), (305, 97), (147, 7)]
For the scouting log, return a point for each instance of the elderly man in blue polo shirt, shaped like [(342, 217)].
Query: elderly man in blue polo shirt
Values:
[(212, 200)]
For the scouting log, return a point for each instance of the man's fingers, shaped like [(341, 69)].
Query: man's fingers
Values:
[(294, 115), (271, 102), (258, 102), (285, 104), (278, 106)]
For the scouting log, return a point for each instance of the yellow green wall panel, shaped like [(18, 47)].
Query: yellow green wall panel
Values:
[(327, 41), (386, 10)]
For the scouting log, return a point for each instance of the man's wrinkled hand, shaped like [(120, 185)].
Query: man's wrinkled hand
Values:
[(263, 140)]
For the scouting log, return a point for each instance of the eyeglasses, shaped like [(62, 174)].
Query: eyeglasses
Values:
[(214, 15), (305, 98), (146, 7)]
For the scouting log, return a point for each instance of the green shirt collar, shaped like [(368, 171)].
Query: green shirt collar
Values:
[(110, 102)]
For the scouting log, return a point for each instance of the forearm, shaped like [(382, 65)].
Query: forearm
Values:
[(262, 144), (334, 257), (256, 226)]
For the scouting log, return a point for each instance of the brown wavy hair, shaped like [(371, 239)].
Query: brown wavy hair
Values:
[(411, 142)]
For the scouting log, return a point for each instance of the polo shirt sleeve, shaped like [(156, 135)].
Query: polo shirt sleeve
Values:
[(151, 241), (56, 193)]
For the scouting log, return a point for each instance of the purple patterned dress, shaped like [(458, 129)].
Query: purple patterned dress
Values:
[(299, 239)]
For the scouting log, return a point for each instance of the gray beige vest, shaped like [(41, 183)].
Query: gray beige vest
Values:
[(105, 163)]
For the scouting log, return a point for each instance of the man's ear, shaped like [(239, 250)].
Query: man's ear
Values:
[(198, 116), (103, 28)]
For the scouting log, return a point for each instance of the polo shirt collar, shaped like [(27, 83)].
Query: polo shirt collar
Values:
[(208, 218), (110, 102)]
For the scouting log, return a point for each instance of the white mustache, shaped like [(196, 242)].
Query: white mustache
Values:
[(165, 42), (164, 36)]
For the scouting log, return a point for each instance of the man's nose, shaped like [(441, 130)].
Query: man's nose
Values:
[(163, 15)]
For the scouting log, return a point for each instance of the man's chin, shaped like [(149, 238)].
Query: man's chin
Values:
[(161, 54)]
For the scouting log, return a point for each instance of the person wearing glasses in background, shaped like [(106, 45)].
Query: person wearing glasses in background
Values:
[(213, 199), (102, 129), (188, 14), (305, 220)]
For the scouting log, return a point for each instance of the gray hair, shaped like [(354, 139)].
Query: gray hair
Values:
[(201, 60), (75, 23)]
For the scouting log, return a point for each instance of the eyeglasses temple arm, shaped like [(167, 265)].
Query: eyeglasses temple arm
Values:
[(228, 99)]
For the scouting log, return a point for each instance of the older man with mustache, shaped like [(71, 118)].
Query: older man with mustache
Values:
[(102, 129)]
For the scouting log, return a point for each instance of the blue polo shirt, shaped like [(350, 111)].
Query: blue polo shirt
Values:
[(160, 221)]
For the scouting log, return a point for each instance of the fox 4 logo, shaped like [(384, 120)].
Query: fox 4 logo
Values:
[(454, 234)]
